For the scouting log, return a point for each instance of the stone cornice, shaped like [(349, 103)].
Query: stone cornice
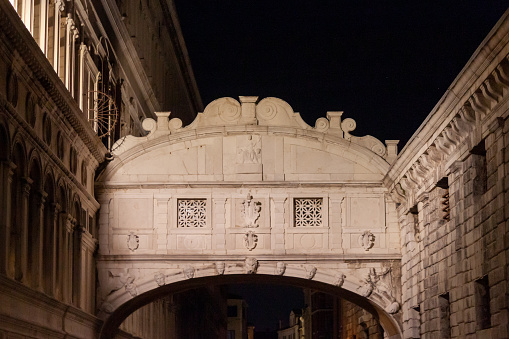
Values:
[(458, 122), (16, 32), (260, 257)]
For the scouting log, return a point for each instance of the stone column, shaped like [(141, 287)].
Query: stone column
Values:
[(54, 225), (6, 172), (21, 265), (37, 261), (87, 287), (67, 256)]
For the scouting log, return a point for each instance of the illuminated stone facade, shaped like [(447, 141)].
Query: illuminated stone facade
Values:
[(244, 191)]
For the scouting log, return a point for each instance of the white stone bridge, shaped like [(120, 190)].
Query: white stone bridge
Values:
[(249, 193)]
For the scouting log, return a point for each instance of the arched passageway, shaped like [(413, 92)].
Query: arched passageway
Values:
[(388, 322)]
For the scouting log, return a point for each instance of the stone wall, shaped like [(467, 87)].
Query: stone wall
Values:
[(451, 185)]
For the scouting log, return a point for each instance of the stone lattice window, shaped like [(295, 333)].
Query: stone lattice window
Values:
[(192, 212), (308, 212)]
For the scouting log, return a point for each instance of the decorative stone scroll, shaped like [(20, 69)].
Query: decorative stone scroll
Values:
[(308, 212), (192, 213)]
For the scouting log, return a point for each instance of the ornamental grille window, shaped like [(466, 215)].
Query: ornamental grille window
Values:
[(192, 212), (308, 212)]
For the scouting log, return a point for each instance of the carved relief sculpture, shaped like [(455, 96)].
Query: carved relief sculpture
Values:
[(133, 241), (160, 279), (382, 284), (250, 240), (280, 268), (339, 279), (367, 240), (250, 153), (129, 285), (220, 266), (250, 265), (189, 271), (310, 272), (250, 211)]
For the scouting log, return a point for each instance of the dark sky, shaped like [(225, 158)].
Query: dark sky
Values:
[(384, 63)]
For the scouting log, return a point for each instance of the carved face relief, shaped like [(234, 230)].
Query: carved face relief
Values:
[(280, 268), (189, 271), (250, 265), (250, 240), (220, 266), (310, 272), (339, 280), (160, 279)]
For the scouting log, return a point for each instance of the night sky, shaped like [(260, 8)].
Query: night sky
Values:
[(384, 63)]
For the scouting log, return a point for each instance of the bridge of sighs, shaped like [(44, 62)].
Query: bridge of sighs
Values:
[(249, 189)]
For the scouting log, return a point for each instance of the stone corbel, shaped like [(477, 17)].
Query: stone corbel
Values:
[(443, 145), (491, 93), (479, 102), (501, 74), (434, 155), (467, 113), (493, 88)]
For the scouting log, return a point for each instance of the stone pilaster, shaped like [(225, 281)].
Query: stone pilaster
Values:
[(278, 222), (219, 222)]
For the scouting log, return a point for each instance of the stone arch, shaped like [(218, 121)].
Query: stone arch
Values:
[(128, 298)]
